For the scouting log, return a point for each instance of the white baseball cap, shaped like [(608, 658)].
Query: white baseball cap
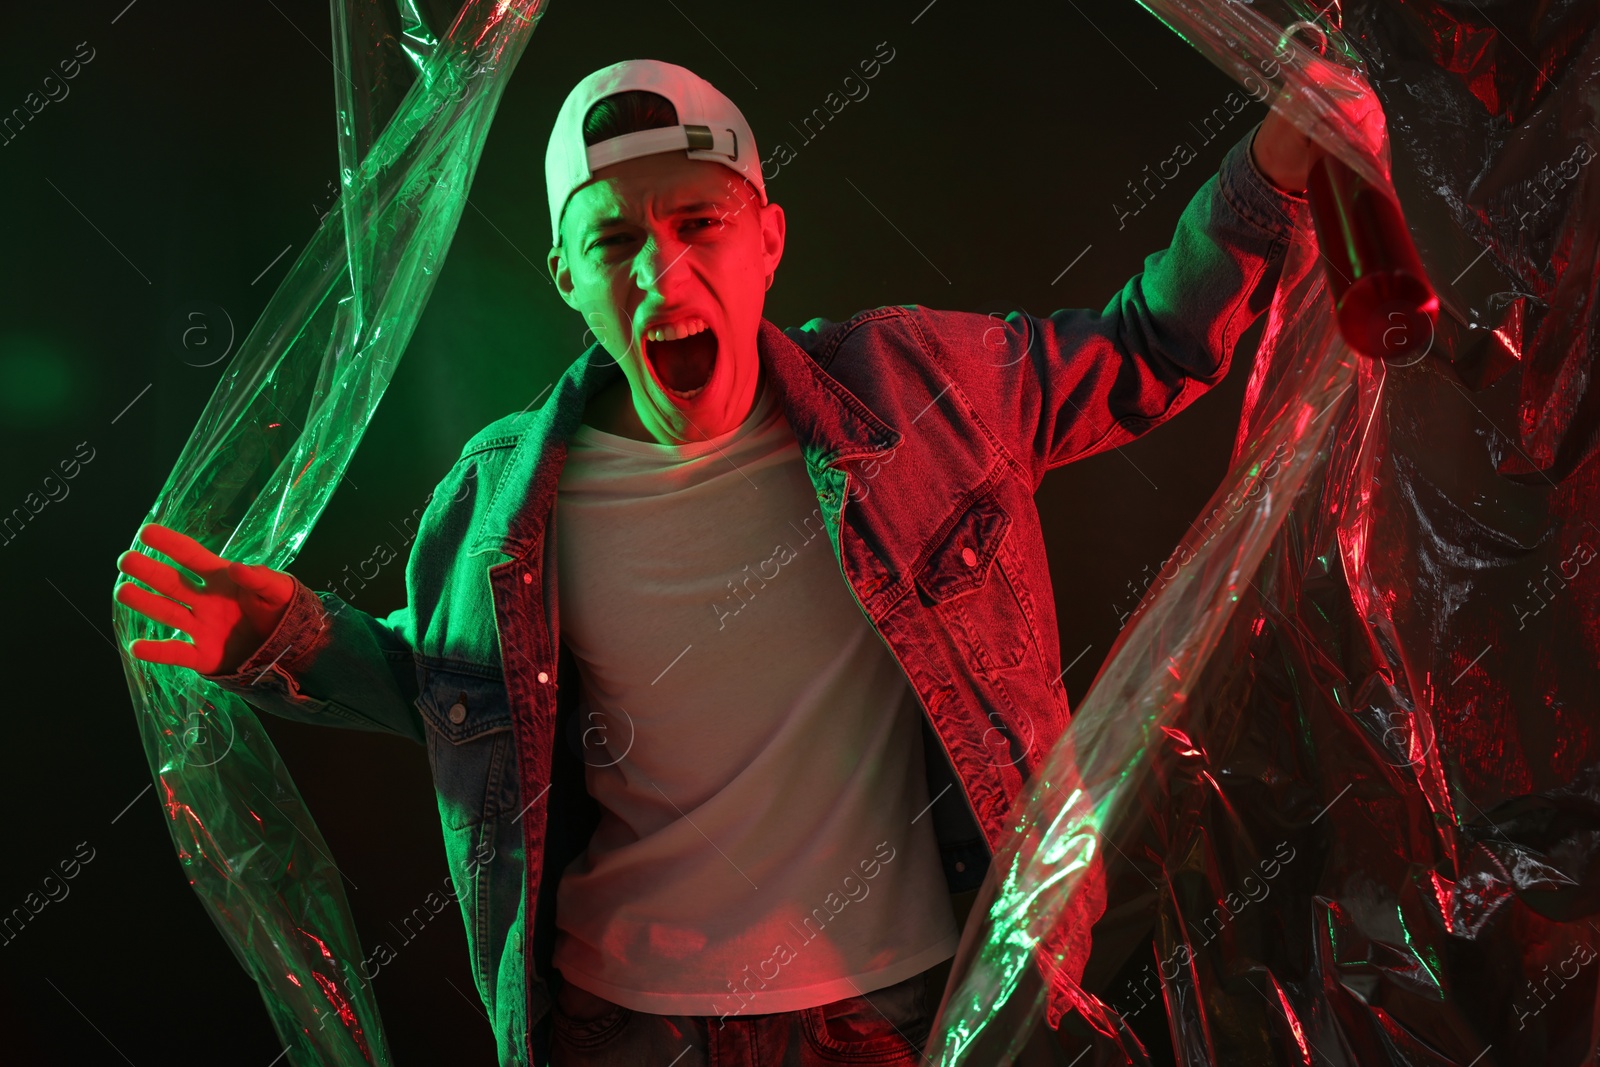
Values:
[(711, 128)]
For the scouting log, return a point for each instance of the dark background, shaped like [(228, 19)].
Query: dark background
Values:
[(199, 142)]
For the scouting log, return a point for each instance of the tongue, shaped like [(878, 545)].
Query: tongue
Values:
[(683, 365)]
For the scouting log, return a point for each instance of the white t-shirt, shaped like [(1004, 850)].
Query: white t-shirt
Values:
[(764, 843)]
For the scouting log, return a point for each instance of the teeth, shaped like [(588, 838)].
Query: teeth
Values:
[(676, 331)]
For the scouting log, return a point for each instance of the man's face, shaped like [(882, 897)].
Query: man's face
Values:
[(668, 258)]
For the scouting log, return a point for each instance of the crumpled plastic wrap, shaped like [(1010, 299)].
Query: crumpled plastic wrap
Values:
[(414, 108), (1334, 797)]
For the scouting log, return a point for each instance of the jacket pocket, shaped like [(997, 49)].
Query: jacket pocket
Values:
[(467, 718), (965, 584)]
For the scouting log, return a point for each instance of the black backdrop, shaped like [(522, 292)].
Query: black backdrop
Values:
[(197, 143)]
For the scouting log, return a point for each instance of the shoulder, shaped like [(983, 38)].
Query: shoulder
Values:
[(501, 434), (896, 330), (463, 497), (823, 339), (482, 458)]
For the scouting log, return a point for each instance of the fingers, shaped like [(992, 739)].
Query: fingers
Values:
[(261, 580), (180, 547), (163, 578), (178, 653), (159, 608)]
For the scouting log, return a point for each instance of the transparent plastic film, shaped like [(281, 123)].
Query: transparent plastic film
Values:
[(414, 109), (1026, 933), (1295, 58), (1334, 798)]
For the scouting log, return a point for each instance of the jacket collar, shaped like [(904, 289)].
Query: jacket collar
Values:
[(832, 426)]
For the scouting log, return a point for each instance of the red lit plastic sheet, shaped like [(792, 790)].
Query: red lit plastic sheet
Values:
[(1334, 798), (414, 110)]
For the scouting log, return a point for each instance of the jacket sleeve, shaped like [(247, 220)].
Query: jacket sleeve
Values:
[(1065, 386), (333, 664)]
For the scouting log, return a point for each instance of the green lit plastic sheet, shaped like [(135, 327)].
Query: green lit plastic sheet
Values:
[(1024, 951), (414, 111)]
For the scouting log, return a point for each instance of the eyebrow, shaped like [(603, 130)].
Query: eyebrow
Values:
[(697, 207)]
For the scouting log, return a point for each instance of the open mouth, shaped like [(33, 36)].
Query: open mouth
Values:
[(682, 356)]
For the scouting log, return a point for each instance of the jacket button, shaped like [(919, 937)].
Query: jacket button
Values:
[(458, 713), (543, 677), (969, 557), (960, 866), (527, 578)]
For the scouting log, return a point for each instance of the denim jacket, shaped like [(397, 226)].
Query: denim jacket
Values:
[(925, 433)]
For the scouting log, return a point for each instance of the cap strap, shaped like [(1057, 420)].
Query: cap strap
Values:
[(665, 139)]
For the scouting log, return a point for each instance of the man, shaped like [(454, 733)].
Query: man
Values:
[(712, 803)]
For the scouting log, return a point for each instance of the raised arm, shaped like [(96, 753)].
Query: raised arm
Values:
[(1077, 382)]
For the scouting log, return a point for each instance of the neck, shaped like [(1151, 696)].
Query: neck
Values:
[(612, 411)]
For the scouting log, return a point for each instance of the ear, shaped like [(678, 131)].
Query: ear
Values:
[(773, 228), (561, 274)]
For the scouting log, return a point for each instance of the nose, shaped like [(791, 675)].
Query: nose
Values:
[(654, 261)]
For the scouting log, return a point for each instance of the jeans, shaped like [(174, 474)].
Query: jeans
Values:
[(885, 1027)]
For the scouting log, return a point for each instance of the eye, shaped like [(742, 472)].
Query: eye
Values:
[(609, 247), (703, 223)]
